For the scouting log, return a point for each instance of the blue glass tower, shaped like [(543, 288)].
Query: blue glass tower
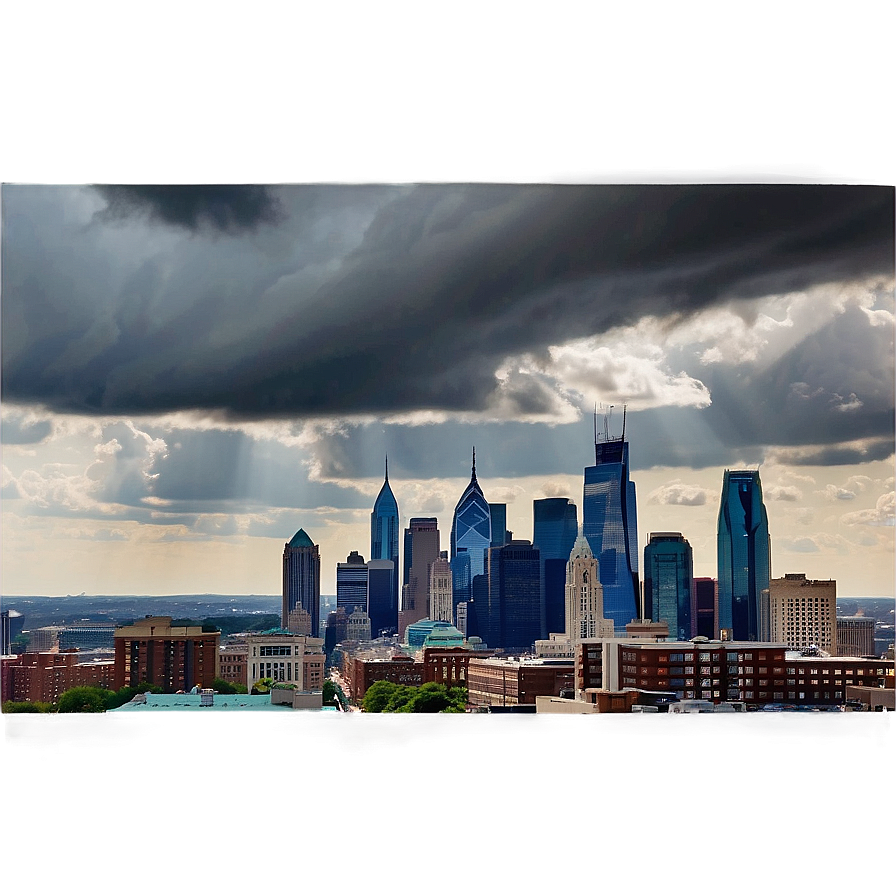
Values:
[(744, 554), (514, 615), (555, 527), (610, 523), (669, 583), (384, 530), (471, 536)]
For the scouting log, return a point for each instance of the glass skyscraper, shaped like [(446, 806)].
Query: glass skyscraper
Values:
[(669, 583), (301, 579), (555, 527), (744, 554), (514, 606), (384, 528), (610, 523), (471, 536), (351, 583)]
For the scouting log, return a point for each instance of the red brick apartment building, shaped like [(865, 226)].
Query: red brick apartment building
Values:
[(174, 658), (507, 682), (449, 665), (43, 677), (232, 661), (397, 669), (722, 671)]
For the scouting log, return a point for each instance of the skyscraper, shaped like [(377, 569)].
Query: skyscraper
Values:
[(610, 523), (706, 601), (471, 536), (669, 583), (301, 579), (744, 554), (514, 617), (500, 533), (382, 606), (351, 583), (422, 540), (441, 606), (584, 596), (555, 527), (384, 528)]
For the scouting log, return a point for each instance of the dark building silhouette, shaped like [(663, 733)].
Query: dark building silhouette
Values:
[(351, 583), (382, 607), (335, 630), (668, 583), (301, 580), (555, 527), (744, 554), (706, 598), (514, 598), (500, 533)]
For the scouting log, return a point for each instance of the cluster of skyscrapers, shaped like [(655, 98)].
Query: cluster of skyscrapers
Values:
[(510, 593)]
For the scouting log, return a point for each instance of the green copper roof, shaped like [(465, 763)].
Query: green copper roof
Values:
[(301, 540)]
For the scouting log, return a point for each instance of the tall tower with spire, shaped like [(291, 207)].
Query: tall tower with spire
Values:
[(471, 536), (384, 529), (584, 596)]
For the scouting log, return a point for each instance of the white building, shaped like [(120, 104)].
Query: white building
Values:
[(279, 655), (803, 612), (584, 596), (357, 627)]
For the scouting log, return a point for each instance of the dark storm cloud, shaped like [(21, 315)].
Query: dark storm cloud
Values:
[(410, 304), (221, 207)]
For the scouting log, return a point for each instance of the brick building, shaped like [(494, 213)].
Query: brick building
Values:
[(172, 657), (232, 662), (509, 682), (397, 669), (43, 677), (448, 665)]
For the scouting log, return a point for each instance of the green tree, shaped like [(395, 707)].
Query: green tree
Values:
[(83, 699), (27, 706), (224, 687), (386, 696), (262, 686), (377, 696), (126, 694)]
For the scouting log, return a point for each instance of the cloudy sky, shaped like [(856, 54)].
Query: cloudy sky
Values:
[(190, 374)]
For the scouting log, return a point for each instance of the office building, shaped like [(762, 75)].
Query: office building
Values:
[(299, 622), (382, 602), (5, 634), (336, 629), (669, 583), (384, 532), (351, 583), (422, 546), (441, 605), (584, 596), (744, 555), (803, 612), (173, 657), (555, 527), (706, 602), (514, 613), (500, 533), (301, 579), (87, 635), (610, 523), (516, 682), (280, 655), (232, 662), (471, 537), (855, 636), (357, 626)]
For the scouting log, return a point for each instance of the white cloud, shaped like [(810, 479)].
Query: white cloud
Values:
[(676, 492), (883, 514), (783, 493), (836, 493)]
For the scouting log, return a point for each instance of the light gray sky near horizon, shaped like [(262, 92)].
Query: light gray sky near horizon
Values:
[(739, 334)]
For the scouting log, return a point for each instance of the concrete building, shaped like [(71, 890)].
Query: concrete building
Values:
[(280, 655), (584, 596), (44, 639), (172, 657), (441, 602), (357, 626), (43, 677), (299, 621), (855, 636), (511, 682), (803, 612), (421, 547)]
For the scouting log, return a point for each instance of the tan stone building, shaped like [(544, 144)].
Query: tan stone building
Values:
[(584, 596), (284, 656), (441, 604), (803, 612), (855, 636)]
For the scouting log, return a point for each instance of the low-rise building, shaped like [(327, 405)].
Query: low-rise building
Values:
[(508, 682), (397, 669), (283, 656), (43, 677), (232, 662), (855, 636)]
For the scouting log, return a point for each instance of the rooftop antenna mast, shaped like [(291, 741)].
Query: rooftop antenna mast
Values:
[(623, 421)]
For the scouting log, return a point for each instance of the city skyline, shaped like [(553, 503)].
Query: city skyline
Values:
[(191, 375)]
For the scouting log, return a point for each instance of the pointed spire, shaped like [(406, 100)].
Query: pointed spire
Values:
[(387, 468), (474, 462)]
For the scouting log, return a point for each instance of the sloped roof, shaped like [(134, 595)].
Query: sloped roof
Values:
[(301, 540)]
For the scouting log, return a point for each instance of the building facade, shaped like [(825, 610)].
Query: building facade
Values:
[(706, 604), (172, 657), (280, 655), (384, 534), (422, 546), (382, 597), (610, 523), (351, 583), (513, 617), (507, 682), (803, 612), (441, 604), (357, 626), (554, 529), (471, 537), (669, 583), (500, 533), (584, 596), (744, 555), (855, 636), (301, 579), (232, 663), (44, 677)]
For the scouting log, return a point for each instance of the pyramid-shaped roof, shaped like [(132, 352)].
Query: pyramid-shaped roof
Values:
[(581, 548), (301, 540)]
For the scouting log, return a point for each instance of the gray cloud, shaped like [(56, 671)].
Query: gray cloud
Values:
[(217, 207), (16, 430), (383, 299)]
